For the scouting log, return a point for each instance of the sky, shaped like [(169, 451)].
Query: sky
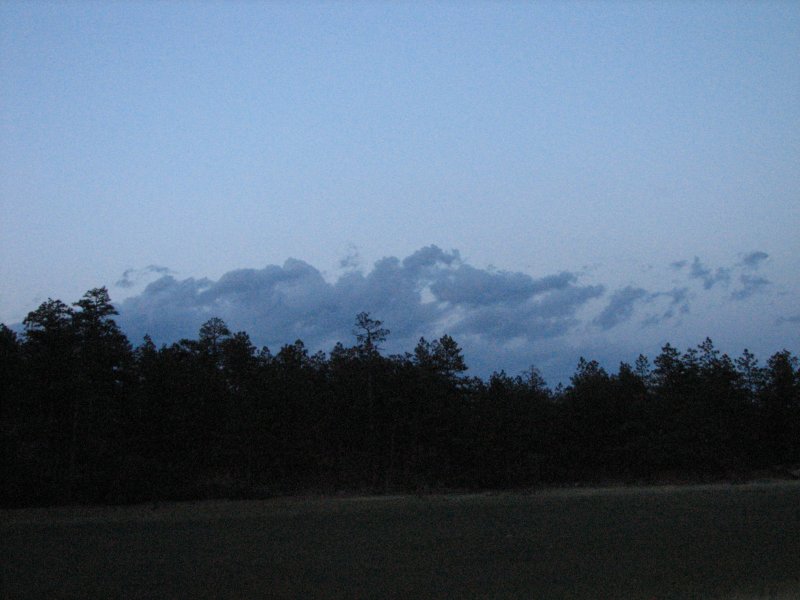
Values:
[(542, 181)]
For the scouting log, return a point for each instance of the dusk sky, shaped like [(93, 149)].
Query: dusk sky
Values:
[(540, 180)]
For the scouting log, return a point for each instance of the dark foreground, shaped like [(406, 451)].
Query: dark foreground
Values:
[(718, 541)]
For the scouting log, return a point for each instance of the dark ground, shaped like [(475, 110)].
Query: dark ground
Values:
[(717, 541)]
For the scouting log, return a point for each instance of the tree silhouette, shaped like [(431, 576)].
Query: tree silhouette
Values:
[(212, 334), (84, 418), (369, 333)]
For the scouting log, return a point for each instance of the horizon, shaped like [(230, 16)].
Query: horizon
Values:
[(432, 293)]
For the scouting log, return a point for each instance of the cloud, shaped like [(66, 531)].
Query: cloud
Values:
[(678, 305), (699, 271), (751, 284), (158, 269), (478, 287), (501, 318), (620, 306), (352, 260), (753, 260), (130, 277), (430, 256), (678, 296), (428, 293), (543, 314), (125, 281), (790, 319)]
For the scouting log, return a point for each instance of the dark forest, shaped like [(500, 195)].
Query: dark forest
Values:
[(88, 418)]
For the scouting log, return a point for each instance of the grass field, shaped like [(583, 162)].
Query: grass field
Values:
[(717, 541)]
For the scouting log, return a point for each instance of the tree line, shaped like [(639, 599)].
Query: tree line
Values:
[(87, 417)]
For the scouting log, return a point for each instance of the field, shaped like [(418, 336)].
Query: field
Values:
[(718, 541)]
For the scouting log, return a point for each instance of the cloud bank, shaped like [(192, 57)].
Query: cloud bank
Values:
[(502, 319), (428, 293)]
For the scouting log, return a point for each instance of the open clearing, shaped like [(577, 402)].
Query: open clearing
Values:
[(719, 541)]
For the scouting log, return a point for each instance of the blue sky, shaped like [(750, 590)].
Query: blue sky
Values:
[(582, 178)]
